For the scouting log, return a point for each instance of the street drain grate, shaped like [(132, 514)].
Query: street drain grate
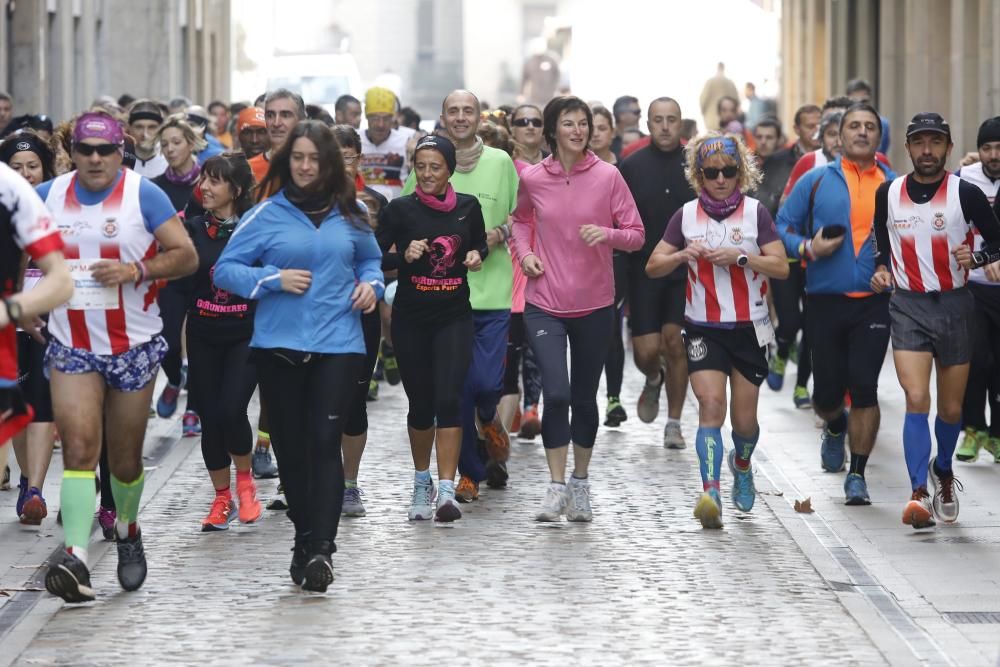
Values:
[(964, 617), (961, 539)]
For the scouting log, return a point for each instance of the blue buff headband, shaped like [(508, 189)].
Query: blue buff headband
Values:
[(718, 145)]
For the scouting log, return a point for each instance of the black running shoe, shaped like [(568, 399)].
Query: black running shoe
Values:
[(496, 475), (300, 559), (131, 562), (69, 579), (390, 366), (318, 574)]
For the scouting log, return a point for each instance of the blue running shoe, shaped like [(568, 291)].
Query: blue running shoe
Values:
[(709, 509), (856, 490), (776, 373), (166, 405), (833, 453), (744, 492), (22, 494)]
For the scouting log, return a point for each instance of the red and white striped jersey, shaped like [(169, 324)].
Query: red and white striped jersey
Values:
[(104, 320), (723, 293), (974, 174), (921, 238)]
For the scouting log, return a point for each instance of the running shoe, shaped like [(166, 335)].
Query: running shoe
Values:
[(709, 509), (69, 579), (220, 515), (856, 490), (353, 505), (190, 424), (992, 445), (318, 574), (166, 404), (972, 441), (131, 562), (801, 398), (5, 479), (672, 436), (497, 439), (34, 508), (250, 507), (832, 452), (372, 390), (496, 474), (776, 373), (531, 424), (515, 424), (744, 491), (919, 512), (300, 558), (390, 366), (649, 401), (422, 501), (262, 463), (22, 495), (554, 504), (447, 508), (106, 518), (578, 508), (945, 485), (615, 413), (467, 490), (278, 502)]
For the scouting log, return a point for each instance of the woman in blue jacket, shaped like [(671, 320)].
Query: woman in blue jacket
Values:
[(310, 258)]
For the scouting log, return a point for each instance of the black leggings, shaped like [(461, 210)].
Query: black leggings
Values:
[(433, 362), (306, 405), (984, 370), (515, 349), (357, 413), (220, 372), (614, 365), (790, 305), (173, 309), (562, 389)]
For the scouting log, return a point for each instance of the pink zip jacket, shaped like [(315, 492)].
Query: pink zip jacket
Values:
[(551, 208)]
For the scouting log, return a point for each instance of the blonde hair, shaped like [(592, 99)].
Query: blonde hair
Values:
[(178, 121), (749, 175)]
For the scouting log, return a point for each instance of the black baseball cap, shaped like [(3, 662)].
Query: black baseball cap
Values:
[(928, 121)]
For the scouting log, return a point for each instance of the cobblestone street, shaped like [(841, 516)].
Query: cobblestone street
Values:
[(642, 584)]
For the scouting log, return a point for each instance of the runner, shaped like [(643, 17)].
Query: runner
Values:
[(283, 109), (655, 175), (106, 349), (826, 220), (984, 369), (923, 232), (526, 130), (489, 175), (251, 131), (443, 237), (144, 120), (572, 211), (307, 341), (729, 245), (219, 326), (383, 148)]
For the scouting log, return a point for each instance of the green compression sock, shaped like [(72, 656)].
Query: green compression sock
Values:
[(127, 495), (76, 500)]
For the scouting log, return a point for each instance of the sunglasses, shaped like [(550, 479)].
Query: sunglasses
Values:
[(712, 173), (104, 150), (525, 122)]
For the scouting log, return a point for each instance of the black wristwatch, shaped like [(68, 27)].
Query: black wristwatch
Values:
[(742, 260), (14, 311)]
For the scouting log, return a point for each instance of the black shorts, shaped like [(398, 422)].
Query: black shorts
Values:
[(653, 302), (849, 339), (31, 376), (713, 349), (935, 322)]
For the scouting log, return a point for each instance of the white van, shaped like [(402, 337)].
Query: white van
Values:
[(320, 79)]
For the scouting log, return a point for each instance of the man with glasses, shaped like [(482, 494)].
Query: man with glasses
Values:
[(627, 113), (827, 220), (122, 235)]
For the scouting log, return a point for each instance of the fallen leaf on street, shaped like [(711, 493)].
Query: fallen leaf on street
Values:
[(804, 506)]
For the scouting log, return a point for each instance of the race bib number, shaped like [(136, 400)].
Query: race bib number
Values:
[(88, 294), (31, 278), (764, 331)]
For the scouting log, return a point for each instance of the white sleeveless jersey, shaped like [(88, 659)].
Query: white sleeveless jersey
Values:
[(921, 237), (104, 320), (723, 294), (974, 174)]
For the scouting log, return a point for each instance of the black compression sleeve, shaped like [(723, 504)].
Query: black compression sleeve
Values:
[(385, 235), (976, 208), (880, 225)]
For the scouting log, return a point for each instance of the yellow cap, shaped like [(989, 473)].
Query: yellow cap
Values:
[(379, 100)]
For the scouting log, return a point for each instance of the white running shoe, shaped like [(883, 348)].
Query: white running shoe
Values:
[(649, 401), (554, 505), (422, 502), (672, 436), (579, 501)]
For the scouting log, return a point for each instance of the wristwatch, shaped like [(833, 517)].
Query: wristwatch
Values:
[(742, 260), (14, 311)]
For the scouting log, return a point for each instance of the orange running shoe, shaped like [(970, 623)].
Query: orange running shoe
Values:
[(515, 424), (219, 517), (467, 490), (531, 425), (497, 440), (250, 507), (918, 512)]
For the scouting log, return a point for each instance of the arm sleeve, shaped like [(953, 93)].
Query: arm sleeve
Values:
[(629, 234), (514, 180), (155, 205), (880, 226), (976, 209), (766, 231), (477, 225), (523, 235), (385, 235), (368, 262), (235, 271), (792, 217), (674, 234)]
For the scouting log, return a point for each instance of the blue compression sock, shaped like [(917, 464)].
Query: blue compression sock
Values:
[(708, 443), (744, 448), (917, 447), (947, 439)]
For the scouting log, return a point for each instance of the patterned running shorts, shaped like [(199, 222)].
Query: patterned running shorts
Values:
[(128, 371)]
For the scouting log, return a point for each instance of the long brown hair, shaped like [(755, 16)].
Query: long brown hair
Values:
[(332, 177)]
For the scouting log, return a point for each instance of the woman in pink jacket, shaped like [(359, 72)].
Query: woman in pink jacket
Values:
[(573, 209)]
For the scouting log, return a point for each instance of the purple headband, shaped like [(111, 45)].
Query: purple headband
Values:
[(98, 126), (718, 145)]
